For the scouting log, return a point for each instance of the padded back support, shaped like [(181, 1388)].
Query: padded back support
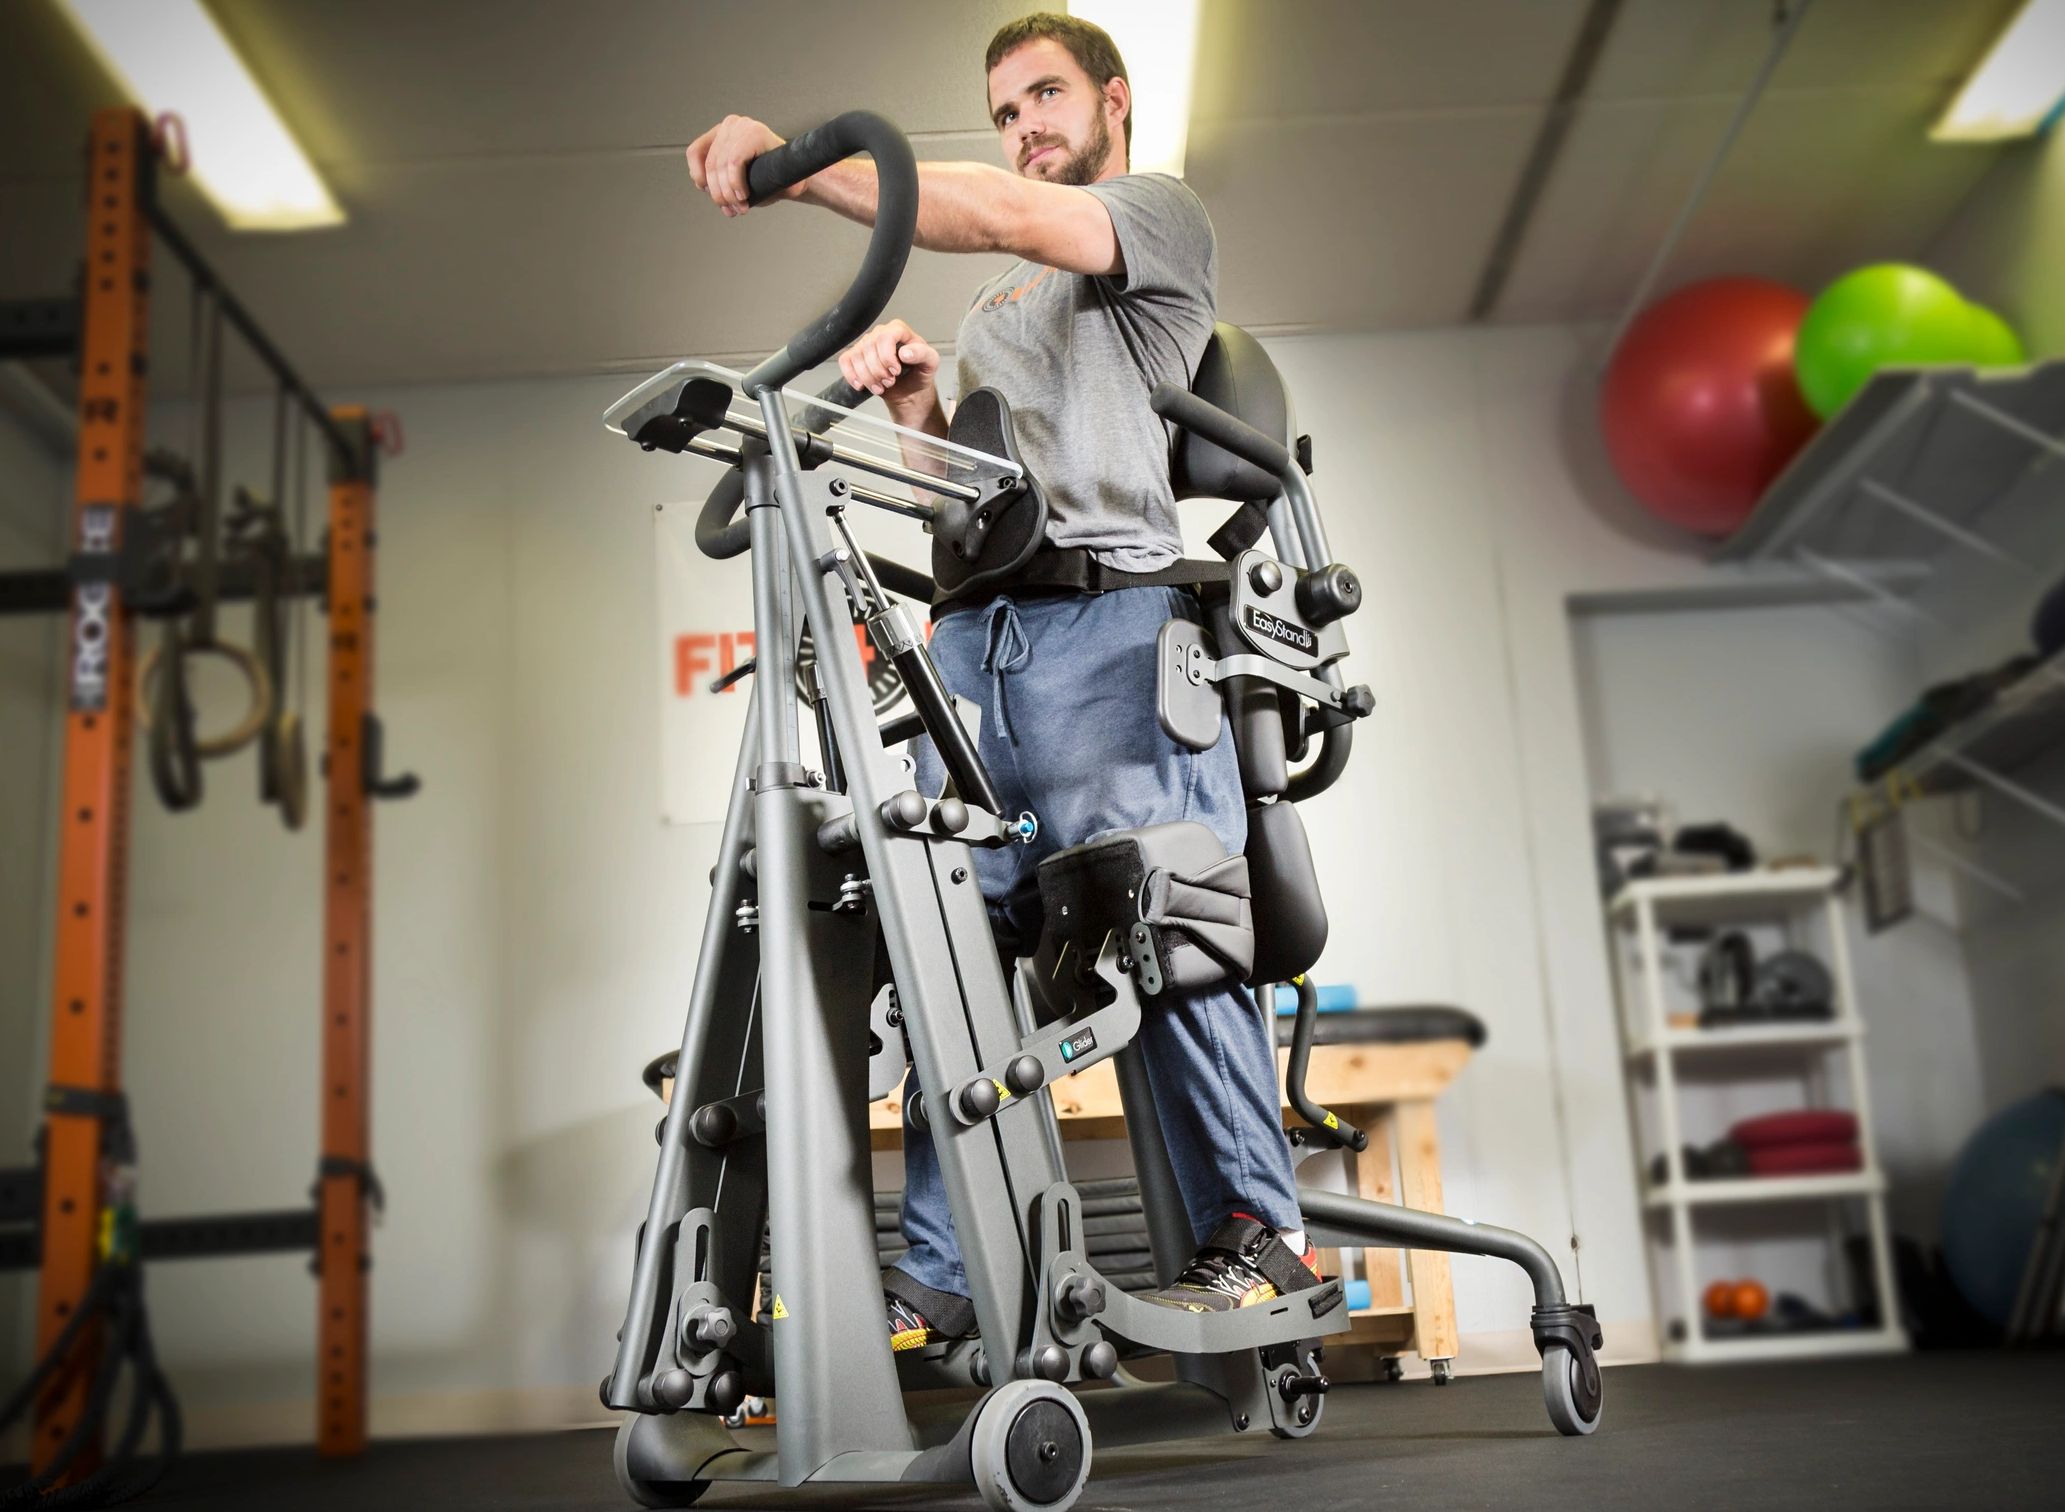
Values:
[(1237, 375)]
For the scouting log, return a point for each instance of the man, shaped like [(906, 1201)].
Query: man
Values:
[(1112, 292)]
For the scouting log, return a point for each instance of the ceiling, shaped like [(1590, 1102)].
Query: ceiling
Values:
[(517, 205)]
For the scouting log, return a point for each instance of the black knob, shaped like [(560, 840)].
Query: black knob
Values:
[(949, 816), (979, 1098), (979, 1368), (1080, 1297), (1100, 1360), (1050, 1362), (1265, 576), (1328, 594), (1024, 1074), (602, 1392), (1359, 702), (673, 1388), (915, 1107), (905, 810), (714, 1124), (727, 1391), (709, 1328), (760, 1106)]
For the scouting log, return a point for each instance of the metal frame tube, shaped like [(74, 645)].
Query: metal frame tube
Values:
[(1382, 1223)]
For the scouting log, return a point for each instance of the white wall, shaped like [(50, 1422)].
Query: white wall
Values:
[(35, 497), (536, 923)]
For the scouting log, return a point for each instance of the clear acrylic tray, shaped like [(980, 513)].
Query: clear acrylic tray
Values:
[(861, 438)]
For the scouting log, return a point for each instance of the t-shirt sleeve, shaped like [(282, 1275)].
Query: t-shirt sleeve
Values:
[(1164, 236)]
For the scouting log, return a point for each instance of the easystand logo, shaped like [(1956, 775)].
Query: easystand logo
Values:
[(1283, 632), (91, 606)]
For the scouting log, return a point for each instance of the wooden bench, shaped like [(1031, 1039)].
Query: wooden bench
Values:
[(1386, 1087)]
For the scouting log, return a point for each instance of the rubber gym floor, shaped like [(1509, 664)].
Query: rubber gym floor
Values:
[(1921, 1431)]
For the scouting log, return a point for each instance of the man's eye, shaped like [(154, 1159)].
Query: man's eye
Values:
[(1051, 89)]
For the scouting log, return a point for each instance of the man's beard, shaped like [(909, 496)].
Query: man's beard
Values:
[(1080, 168)]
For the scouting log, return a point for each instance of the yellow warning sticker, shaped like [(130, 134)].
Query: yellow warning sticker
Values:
[(1003, 1092), (1332, 1122), (780, 1311)]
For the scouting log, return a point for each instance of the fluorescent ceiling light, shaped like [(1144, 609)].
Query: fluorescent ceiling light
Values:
[(2020, 85), (171, 56), (1158, 40)]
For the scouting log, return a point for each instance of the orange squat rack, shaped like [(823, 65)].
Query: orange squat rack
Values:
[(71, 1216)]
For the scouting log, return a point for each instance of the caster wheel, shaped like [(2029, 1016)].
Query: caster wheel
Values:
[(1573, 1402), (1030, 1451), (1390, 1369), (650, 1493), (1443, 1371)]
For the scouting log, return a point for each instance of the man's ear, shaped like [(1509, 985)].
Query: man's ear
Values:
[(1118, 103)]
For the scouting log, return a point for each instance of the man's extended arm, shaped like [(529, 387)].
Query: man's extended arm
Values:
[(972, 207), (962, 207)]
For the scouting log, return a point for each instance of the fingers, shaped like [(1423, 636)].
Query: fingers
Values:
[(698, 153), (886, 356)]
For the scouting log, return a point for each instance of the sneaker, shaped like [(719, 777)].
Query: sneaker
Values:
[(1243, 1263), (908, 1328), (919, 1316)]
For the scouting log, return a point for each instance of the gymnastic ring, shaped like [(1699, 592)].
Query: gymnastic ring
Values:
[(285, 754), (254, 676), (174, 763)]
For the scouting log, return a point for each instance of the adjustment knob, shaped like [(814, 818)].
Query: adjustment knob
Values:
[(1050, 1362), (979, 1098), (1080, 1297), (949, 816), (1328, 594), (1265, 577), (914, 1109), (1101, 1361), (1024, 1074), (709, 1328)]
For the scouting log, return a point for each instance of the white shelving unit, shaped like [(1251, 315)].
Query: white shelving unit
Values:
[(1806, 906)]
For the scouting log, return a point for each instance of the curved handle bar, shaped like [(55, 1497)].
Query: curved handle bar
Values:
[(1330, 1126), (889, 248), (1324, 771), (1203, 418)]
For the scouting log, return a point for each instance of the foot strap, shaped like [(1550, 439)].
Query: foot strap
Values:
[(1276, 1262), (948, 1314)]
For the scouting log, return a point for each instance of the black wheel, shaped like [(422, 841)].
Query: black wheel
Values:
[(649, 1493), (1030, 1451), (1443, 1371), (1574, 1395)]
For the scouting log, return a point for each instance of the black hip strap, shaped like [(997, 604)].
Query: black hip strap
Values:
[(1071, 569)]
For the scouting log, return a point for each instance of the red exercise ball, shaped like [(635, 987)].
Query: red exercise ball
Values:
[(1700, 407)]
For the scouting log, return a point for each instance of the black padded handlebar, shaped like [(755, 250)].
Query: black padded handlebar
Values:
[(1203, 418), (889, 248)]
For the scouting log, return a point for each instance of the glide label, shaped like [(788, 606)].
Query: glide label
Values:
[(1282, 631), (1081, 1043)]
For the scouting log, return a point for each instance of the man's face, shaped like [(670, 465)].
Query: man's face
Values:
[(1050, 118)]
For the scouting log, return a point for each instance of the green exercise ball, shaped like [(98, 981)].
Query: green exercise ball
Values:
[(1994, 342), (1888, 314)]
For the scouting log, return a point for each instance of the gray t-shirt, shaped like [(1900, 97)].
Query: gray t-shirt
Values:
[(1076, 356)]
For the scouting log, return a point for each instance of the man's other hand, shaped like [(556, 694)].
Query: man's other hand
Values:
[(891, 360), (717, 161)]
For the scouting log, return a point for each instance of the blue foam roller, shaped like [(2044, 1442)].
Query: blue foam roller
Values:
[(1358, 1295), (1334, 997)]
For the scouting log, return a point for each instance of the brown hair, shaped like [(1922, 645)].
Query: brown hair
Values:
[(1088, 43)]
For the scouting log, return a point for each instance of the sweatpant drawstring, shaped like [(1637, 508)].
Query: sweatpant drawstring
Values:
[(1006, 651)]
